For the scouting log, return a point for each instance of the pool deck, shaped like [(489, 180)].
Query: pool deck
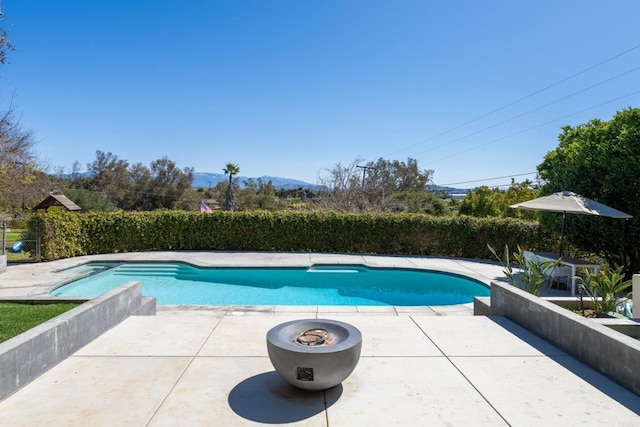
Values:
[(209, 366)]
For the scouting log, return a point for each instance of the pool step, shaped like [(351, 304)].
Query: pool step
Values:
[(151, 269), (339, 269)]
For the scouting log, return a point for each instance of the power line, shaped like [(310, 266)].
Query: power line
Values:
[(523, 131), (487, 179), (517, 100), (534, 127), (530, 111)]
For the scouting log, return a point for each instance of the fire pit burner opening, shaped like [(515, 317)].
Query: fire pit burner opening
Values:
[(317, 336)]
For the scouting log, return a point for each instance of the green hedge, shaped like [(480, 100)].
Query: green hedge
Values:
[(72, 234)]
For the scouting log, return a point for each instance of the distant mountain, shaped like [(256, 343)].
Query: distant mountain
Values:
[(207, 179)]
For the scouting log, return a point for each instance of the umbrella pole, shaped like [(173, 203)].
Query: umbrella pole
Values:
[(564, 215)]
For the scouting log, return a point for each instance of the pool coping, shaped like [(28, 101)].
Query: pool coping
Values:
[(174, 268)]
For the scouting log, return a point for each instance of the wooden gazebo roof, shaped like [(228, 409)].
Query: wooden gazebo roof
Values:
[(57, 200)]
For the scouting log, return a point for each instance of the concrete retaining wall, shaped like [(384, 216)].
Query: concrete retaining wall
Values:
[(609, 352), (482, 306), (28, 355)]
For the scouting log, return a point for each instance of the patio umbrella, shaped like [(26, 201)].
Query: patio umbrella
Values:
[(569, 202)]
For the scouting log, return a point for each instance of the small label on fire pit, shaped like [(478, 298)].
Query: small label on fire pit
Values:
[(304, 374)]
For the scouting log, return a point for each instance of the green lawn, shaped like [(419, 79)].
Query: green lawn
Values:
[(19, 257), (12, 237), (16, 318)]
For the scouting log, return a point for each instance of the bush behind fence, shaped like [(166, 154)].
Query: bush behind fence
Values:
[(66, 234)]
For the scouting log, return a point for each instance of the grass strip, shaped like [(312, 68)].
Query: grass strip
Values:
[(14, 235), (16, 318)]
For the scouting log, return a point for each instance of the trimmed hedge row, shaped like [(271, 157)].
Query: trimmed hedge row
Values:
[(66, 234)]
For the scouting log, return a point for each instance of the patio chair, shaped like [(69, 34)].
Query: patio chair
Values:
[(554, 275), (559, 274)]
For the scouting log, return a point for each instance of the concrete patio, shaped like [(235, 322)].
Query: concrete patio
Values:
[(209, 366)]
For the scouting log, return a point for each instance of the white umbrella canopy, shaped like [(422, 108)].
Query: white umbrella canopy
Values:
[(569, 202)]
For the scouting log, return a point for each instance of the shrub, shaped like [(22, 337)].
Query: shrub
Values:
[(65, 234), (605, 287), (532, 274)]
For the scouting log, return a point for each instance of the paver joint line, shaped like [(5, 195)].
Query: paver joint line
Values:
[(461, 373)]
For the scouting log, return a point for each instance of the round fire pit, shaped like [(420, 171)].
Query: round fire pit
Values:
[(314, 354)]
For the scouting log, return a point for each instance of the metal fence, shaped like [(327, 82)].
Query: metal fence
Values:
[(19, 245)]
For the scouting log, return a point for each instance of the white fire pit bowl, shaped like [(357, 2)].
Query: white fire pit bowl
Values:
[(314, 354)]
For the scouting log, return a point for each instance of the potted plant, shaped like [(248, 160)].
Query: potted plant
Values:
[(605, 286), (533, 274)]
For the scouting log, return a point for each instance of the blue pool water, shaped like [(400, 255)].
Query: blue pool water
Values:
[(180, 283)]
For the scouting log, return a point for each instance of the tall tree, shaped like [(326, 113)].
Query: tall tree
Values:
[(110, 175), (89, 200), (600, 160), (384, 185), (344, 189), (390, 176), (161, 186), (18, 168), (494, 202), (169, 183), (137, 187), (258, 195), (136, 198), (230, 169), (386, 178)]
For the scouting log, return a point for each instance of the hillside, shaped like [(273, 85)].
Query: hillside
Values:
[(207, 179)]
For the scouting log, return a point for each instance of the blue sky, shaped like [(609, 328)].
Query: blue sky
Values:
[(290, 87)]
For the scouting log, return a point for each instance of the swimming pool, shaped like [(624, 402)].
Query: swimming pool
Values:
[(185, 284)]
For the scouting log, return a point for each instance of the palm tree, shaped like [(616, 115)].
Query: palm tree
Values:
[(231, 170)]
